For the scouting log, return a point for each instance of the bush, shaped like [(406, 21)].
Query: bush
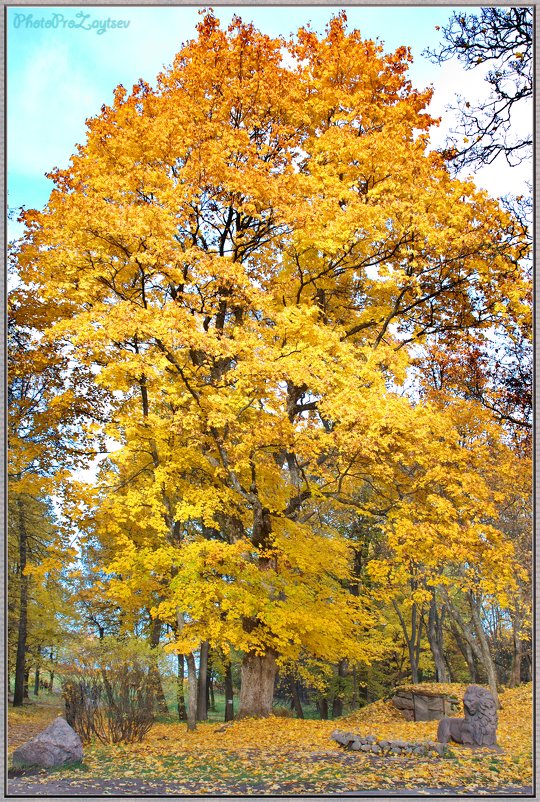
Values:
[(109, 691)]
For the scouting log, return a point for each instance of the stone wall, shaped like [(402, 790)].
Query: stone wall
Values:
[(423, 706), (374, 746)]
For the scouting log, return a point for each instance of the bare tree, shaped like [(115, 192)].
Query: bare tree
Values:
[(502, 39)]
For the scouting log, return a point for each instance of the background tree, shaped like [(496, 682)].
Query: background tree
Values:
[(500, 38)]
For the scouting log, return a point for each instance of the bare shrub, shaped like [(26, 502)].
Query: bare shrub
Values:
[(109, 692)]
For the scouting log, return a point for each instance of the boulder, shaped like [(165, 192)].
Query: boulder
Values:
[(56, 745)]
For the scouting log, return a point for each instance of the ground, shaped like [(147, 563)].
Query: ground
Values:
[(286, 756)]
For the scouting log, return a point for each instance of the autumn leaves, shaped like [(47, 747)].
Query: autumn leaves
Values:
[(246, 259)]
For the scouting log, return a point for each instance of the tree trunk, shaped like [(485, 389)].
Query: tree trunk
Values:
[(51, 671), (486, 657), (36, 675), (297, 704), (192, 692), (517, 655), (202, 688), (465, 649), (180, 700), (210, 701), (435, 638), (229, 694), (20, 660), (355, 689), (155, 677), (257, 684), (337, 701), (478, 644), (322, 706), (413, 640)]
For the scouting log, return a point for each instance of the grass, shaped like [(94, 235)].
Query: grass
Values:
[(218, 714), (287, 755)]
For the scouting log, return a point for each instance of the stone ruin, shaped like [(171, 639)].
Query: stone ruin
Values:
[(423, 705), (373, 746)]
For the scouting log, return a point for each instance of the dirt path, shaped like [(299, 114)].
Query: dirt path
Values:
[(32, 787)]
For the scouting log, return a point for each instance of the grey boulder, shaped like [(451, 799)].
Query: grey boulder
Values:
[(56, 745)]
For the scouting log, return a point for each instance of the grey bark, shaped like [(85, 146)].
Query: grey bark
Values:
[(180, 700), (257, 684), (487, 660), (192, 692), (202, 685), (155, 634), (229, 694), (413, 640), (435, 638)]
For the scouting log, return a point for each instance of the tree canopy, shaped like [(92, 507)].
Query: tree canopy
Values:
[(245, 260)]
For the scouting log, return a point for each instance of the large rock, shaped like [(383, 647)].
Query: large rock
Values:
[(56, 745)]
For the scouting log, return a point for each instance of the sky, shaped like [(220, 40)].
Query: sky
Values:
[(64, 63)]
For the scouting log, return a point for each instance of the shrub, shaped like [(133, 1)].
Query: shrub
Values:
[(109, 691)]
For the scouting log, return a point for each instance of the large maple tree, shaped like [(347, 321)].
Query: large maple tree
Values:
[(246, 255)]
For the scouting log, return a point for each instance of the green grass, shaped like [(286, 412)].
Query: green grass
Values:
[(218, 714)]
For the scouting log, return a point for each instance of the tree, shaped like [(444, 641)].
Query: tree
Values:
[(45, 437), (244, 256), (502, 39)]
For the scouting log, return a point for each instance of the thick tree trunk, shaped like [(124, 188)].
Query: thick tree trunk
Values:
[(435, 638), (192, 692), (257, 684), (229, 694), (202, 687), (180, 700), (20, 659)]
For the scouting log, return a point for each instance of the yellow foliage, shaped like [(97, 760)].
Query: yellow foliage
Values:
[(242, 257)]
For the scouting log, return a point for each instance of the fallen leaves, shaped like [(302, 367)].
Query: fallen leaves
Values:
[(292, 756)]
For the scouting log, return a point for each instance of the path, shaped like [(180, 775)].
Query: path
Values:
[(133, 787)]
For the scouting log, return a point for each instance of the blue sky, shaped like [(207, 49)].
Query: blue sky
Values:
[(61, 70)]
